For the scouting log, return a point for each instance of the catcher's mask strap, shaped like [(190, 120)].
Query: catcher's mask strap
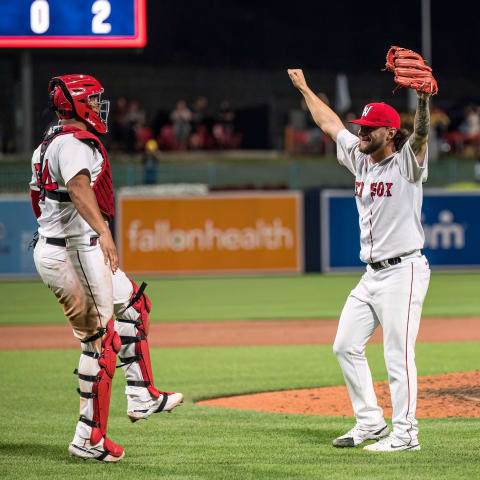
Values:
[(67, 96)]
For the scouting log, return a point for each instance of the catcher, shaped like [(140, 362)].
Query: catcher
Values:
[(389, 168), (72, 198)]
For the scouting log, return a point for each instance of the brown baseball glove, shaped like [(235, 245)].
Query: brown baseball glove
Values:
[(410, 70)]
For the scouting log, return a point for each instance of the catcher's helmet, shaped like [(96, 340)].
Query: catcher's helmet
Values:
[(71, 96)]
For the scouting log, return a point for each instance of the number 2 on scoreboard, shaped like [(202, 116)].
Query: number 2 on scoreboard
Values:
[(101, 9), (40, 16)]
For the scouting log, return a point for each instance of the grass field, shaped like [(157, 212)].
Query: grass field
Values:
[(200, 299), (39, 414), (39, 402)]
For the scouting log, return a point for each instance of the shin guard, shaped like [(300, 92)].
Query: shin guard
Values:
[(133, 322), (97, 369)]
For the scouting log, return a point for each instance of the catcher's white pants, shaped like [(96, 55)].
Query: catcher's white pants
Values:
[(392, 297), (85, 287), (89, 294), (80, 280)]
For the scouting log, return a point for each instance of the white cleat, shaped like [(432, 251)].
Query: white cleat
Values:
[(391, 444), (166, 402), (356, 436), (104, 451)]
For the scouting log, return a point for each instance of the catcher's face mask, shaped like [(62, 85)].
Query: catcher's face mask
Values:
[(79, 95)]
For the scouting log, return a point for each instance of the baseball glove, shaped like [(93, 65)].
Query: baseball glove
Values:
[(410, 70)]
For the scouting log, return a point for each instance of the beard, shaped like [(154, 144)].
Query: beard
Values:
[(372, 146)]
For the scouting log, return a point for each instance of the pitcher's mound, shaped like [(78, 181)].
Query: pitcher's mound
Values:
[(439, 396)]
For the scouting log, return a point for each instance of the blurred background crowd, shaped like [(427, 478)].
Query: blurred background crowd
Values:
[(210, 87), (188, 126), (199, 125), (452, 132)]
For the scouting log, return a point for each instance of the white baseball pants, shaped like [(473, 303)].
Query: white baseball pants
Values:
[(80, 280), (89, 294), (392, 297), (83, 284)]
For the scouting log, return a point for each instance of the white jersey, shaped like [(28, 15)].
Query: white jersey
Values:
[(389, 199), (64, 158)]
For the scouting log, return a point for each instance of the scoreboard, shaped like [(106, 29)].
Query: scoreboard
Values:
[(73, 23)]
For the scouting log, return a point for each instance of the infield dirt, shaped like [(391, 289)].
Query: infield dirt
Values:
[(449, 395), (232, 333), (439, 396)]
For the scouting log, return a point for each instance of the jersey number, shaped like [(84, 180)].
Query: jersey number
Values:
[(44, 179)]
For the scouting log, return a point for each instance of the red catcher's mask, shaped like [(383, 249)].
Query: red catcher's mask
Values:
[(70, 96)]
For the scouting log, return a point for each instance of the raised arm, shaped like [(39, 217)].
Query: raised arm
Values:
[(418, 140), (322, 114)]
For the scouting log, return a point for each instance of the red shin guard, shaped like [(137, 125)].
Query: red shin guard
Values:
[(141, 303), (102, 384)]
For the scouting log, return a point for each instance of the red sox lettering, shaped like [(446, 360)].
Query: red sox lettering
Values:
[(359, 188), (379, 189)]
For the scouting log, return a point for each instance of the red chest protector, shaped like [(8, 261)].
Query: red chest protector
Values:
[(102, 186)]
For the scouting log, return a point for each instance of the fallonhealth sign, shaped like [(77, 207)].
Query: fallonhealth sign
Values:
[(217, 233)]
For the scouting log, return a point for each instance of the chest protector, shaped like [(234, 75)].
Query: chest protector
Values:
[(102, 186)]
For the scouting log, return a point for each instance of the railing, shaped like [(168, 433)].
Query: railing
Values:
[(266, 173)]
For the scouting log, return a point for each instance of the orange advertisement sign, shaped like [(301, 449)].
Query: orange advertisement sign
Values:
[(216, 233)]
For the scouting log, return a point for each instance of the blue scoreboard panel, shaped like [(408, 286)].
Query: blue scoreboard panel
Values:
[(73, 23)]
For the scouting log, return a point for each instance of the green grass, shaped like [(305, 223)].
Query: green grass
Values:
[(240, 298), (39, 403), (39, 409)]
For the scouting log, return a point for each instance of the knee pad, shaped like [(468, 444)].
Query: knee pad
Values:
[(99, 374), (133, 328), (339, 348)]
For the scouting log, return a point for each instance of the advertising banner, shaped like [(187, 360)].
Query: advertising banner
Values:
[(217, 233), (17, 226), (450, 223)]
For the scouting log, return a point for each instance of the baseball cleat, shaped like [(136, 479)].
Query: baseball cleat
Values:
[(391, 444), (166, 402), (104, 451), (356, 436)]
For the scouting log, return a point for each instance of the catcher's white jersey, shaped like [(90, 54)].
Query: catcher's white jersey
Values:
[(64, 158), (389, 199)]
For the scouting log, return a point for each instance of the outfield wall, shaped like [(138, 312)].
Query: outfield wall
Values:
[(241, 169), (216, 233), (17, 226), (450, 222), (251, 232)]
